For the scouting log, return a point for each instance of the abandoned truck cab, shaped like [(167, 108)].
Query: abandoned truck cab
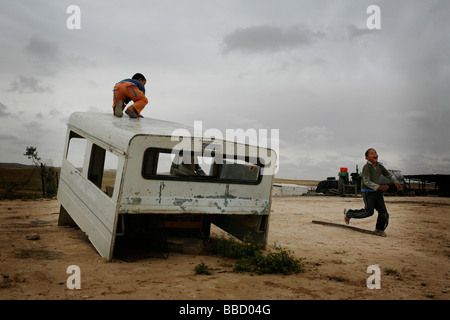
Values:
[(127, 177)]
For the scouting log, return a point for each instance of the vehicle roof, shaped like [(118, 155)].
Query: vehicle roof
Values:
[(118, 132)]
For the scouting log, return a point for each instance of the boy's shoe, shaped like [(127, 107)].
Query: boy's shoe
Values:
[(131, 113), (347, 220), (380, 233), (118, 109)]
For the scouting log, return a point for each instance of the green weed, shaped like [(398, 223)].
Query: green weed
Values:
[(250, 256), (202, 268)]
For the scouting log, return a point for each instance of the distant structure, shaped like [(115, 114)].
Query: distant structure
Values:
[(441, 183)]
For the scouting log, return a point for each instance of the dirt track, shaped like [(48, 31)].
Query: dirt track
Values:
[(413, 258)]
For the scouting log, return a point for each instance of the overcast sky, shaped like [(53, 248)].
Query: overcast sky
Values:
[(311, 69)]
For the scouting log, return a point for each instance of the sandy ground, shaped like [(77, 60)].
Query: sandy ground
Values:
[(413, 258)]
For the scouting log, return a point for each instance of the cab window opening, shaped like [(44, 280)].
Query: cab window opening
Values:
[(167, 164)]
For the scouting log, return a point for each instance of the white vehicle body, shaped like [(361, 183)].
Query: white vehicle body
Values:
[(233, 193)]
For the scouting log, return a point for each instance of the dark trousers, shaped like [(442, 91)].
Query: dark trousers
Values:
[(373, 200)]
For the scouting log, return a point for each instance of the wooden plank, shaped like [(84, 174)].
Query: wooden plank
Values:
[(348, 227)]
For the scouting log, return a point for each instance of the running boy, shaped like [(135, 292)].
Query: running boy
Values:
[(372, 192), (127, 90)]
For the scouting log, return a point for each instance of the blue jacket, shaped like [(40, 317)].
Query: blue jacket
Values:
[(136, 82)]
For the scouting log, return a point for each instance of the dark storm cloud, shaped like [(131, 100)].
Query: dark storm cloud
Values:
[(3, 111), (10, 138), (47, 54), (28, 85), (50, 59), (266, 38), (357, 32)]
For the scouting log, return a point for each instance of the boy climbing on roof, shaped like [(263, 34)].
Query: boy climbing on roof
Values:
[(127, 90), (372, 193)]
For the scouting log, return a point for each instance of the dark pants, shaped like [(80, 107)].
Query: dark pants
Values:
[(373, 200)]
